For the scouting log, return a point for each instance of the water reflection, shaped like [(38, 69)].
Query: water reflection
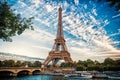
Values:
[(48, 77), (35, 77)]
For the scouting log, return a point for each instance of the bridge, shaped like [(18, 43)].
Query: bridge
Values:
[(16, 71)]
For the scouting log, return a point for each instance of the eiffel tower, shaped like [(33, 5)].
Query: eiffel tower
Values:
[(59, 51)]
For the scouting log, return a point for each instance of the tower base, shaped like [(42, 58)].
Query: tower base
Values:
[(55, 56)]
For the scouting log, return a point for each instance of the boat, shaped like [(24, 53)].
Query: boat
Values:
[(72, 75), (114, 77), (79, 74), (86, 75), (56, 74), (67, 75), (100, 75)]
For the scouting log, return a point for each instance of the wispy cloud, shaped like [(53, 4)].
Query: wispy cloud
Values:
[(76, 2), (84, 32), (118, 15), (49, 7)]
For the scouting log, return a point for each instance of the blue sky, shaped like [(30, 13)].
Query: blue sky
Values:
[(91, 29)]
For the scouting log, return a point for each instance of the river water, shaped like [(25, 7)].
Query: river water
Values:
[(48, 77)]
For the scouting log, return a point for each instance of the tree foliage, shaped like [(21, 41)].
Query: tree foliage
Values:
[(12, 63), (68, 64), (109, 62), (90, 65), (12, 24), (18, 64), (115, 3), (107, 65), (8, 63), (37, 64)]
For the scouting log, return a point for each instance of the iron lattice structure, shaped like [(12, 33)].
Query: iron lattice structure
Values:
[(59, 51)]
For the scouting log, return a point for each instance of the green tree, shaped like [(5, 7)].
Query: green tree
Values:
[(90, 65), (8, 63), (109, 62), (62, 64), (74, 64), (37, 64), (117, 62), (90, 62), (79, 68), (30, 64), (27, 64), (115, 3), (12, 24), (1, 64), (67, 64), (18, 64), (80, 65), (70, 64), (97, 63), (98, 66), (80, 62)]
